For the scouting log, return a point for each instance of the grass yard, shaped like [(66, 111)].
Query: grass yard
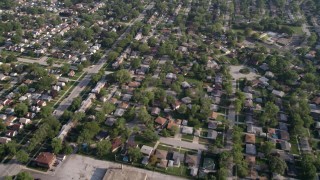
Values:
[(187, 137), (140, 140)]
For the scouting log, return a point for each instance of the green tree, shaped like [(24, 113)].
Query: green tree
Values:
[(122, 76), (103, 148), (56, 145), (11, 58), (267, 147), (24, 176), (21, 109), (23, 89), (308, 170), (46, 111), (277, 165), (134, 154), (22, 156)]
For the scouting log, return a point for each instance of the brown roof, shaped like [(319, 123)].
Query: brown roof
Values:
[(250, 138), (214, 115), (191, 160), (116, 143), (134, 84), (316, 100), (45, 158), (161, 154), (251, 159), (161, 120), (171, 124)]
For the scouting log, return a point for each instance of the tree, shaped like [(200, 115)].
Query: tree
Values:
[(308, 170), (122, 76), (134, 154), (50, 62), (277, 165), (267, 147), (150, 136), (56, 145), (222, 174), (11, 58), (65, 68), (24, 176), (103, 148), (46, 111), (23, 89), (143, 115), (21, 109), (22, 156), (67, 149)]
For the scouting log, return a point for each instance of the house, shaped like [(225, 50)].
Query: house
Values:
[(278, 93), (110, 121), (102, 135), (155, 111), (116, 144), (4, 140), (186, 100), (146, 150), (11, 133), (161, 154), (214, 115), (250, 138), (191, 160), (212, 134), (45, 159), (163, 163), (285, 145), (119, 112), (177, 158), (16, 127), (161, 121), (284, 135), (251, 149), (251, 160), (213, 124), (187, 130), (304, 144), (193, 171), (173, 123)]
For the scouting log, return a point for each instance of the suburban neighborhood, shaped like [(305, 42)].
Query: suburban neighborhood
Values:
[(140, 89)]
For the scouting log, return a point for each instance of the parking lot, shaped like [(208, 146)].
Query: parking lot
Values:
[(82, 167)]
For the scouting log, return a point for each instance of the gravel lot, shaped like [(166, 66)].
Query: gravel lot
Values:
[(83, 168), (234, 71)]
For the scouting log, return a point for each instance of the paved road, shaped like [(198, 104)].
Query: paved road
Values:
[(183, 144)]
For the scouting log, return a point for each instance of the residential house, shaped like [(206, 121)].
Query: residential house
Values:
[(146, 150), (191, 160), (187, 130), (251, 149), (4, 140), (155, 111), (161, 121), (250, 138), (110, 121), (214, 115), (11, 133), (116, 144), (161, 154), (212, 134), (102, 135), (285, 145), (45, 159)]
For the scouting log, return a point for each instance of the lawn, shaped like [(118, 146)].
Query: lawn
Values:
[(140, 140), (187, 137), (297, 30)]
